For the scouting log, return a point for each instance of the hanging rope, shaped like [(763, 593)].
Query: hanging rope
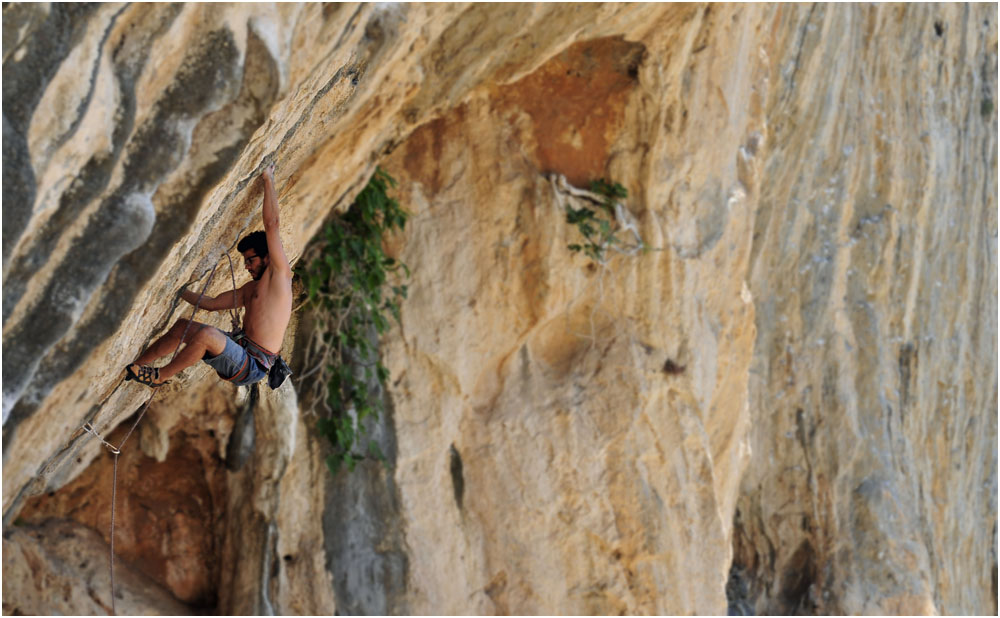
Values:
[(234, 313), (116, 450)]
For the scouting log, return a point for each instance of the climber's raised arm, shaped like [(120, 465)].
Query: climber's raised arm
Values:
[(271, 227)]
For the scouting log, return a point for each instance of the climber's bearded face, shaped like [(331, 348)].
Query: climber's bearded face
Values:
[(254, 264)]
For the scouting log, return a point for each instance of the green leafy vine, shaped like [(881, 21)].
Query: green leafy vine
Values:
[(353, 288), (601, 225)]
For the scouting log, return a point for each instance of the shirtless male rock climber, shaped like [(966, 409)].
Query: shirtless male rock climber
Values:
[(240, 359)]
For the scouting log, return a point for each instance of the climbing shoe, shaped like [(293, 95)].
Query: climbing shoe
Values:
[(146, 375)]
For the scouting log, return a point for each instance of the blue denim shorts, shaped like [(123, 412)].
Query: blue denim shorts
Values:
[(236, 365)]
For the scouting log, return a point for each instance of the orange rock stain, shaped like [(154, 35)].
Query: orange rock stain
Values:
[(576, 102)]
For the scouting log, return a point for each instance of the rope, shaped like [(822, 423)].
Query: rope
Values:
[(116, 450), (234, 313), (114, 491)]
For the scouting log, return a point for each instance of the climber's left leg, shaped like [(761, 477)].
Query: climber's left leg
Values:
[(201, 339)]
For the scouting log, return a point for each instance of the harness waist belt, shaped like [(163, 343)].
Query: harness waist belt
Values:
[(257, 351)]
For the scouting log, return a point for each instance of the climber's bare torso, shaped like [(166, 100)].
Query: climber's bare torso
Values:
[(268, 304)]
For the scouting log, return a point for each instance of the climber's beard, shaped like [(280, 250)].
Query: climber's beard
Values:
[(258, 272)]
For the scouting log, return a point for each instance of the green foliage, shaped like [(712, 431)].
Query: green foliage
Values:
[(598, 225), (353, 289)]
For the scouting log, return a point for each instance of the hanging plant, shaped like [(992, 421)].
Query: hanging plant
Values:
[(353, 290)]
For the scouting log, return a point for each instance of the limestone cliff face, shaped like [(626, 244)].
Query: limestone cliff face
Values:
[(788, 404), (874, 379)]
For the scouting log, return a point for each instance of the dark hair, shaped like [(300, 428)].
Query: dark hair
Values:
[(256, 241)]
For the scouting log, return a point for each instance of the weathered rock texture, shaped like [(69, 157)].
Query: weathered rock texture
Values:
[(788, 404), (874, 381), (60, 568)]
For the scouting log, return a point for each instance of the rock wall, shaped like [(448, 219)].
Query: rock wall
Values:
[(786, 405), (874, 380)]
